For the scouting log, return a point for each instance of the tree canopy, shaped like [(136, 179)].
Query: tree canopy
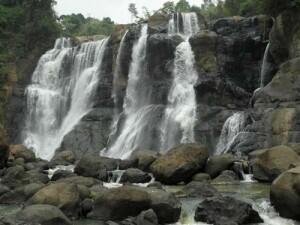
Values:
[(78, 25)]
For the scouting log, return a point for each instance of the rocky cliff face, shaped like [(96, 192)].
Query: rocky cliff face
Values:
[(228, 55), (228, 61), (276, 106)]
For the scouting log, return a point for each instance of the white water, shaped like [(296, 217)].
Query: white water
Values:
[(231, 128), (180, 114), (115, 91), (265, 66), (118, 72), (136, 104), (51, 172), (61, 93)]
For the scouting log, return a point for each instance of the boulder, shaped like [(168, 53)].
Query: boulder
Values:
[(13, 176), (285, 194), (79, 180), (43, 214), (272, 162), (20, 151), (166, 206), (63, 158), (3, 189), (91, 165), (200, 177), (226, 177), (221, 210), (180, 163), (198, 189), (135, 176), (144, 158), (148, 217), (4, 155), (34, 176), (217, 164), (20, 194), (66, 196), (119, 203), (86, 206)]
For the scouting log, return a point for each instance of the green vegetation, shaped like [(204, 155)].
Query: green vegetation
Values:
[(27, 29), (223, 8), (78, 25)]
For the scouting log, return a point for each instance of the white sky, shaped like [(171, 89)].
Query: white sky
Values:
[(116, 9)]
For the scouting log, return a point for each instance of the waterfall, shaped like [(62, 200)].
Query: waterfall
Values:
[(231, 128), (118, 71), (137, 110), (180, 113), (61, 93), (115, 91), (265, 67)]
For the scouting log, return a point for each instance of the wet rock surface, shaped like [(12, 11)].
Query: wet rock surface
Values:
[(180, 163), (226, 210)]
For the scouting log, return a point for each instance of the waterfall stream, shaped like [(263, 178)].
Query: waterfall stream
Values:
[(136, 108), (265, 67), (231, 128), (180, 114), (61, 93)]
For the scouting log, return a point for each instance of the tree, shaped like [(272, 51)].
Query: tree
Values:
[(183, 6), (133, 10), (168, 7)]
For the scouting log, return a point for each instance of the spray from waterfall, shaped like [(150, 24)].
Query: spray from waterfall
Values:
[(231, 128), (61, 93), (180, 113)]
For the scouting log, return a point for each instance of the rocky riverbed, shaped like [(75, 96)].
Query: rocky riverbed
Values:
[(186, 189)]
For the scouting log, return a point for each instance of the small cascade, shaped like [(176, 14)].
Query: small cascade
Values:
[(231, 128), (180, 114), (61, 93), (115, 91), (118, 72), (265, 67), (137, 110)]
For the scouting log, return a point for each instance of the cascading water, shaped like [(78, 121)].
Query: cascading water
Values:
[(231, 128), (138, 111), (60, 94), (180, 114), (265, 67), (115, 91)]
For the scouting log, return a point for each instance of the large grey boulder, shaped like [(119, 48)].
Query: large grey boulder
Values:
[(66, 196), (217, 164), (272, 162), (285, 194), (226, 210), (91, 165), (135, 176), (120, 203), (180, 163)]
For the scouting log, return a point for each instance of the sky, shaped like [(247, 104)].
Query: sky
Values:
[(115, 9)]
